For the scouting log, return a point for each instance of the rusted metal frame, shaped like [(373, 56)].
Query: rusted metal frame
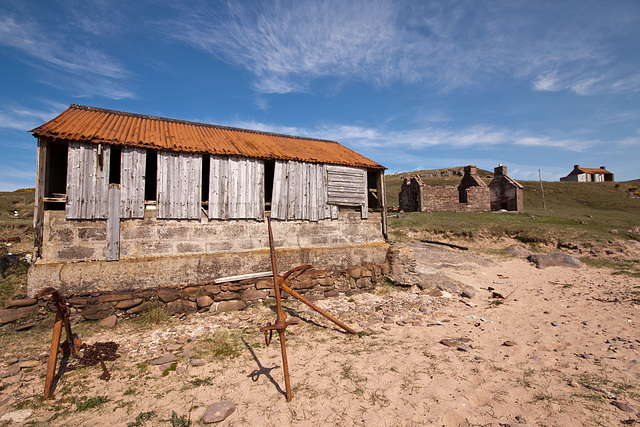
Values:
[(71, 344), (281, 322)]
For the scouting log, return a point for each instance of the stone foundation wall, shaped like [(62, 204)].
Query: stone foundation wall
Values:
[(156, 253), (313, 285)]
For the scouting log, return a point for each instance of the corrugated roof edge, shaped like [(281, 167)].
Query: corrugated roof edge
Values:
[(187, 122)]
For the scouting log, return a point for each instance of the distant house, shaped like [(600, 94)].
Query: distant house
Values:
[(579, 174), (127, 201)]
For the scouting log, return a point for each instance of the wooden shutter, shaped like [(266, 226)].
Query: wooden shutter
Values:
[(87, 181), (179, 185)]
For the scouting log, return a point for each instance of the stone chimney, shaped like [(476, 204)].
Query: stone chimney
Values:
[(500, 170), (470, 170)]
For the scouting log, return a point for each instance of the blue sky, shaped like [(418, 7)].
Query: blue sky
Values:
[(410, 84)]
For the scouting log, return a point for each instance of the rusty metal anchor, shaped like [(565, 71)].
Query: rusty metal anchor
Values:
[(71, 344), (281, 323)]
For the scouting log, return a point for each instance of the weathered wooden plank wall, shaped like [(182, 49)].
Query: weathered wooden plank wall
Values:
[(87, 181), (299, 192), (113, 223), (236, 188), (347, 186), (179, 185), (132, 182), (38, 211)]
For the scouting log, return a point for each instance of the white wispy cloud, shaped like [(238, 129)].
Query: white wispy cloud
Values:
[(21, 118), (288, 44)]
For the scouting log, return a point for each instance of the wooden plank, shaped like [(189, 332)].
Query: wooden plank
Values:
[(215, 186), (277, 193), (260, 190), (113, 224), (243, 277), (383, 192)]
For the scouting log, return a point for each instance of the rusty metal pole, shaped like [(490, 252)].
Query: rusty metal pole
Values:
[(53, 355)]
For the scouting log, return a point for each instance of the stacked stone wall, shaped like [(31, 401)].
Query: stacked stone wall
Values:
[(212, 297)]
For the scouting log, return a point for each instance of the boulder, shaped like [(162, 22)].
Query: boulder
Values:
[(218, 412), (11, 315), (518, 251), (555, 260), (168, 294), (204, 301), (225, 306), (129, 303)]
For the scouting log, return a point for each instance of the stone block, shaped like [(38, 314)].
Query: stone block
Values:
[(11, 315), (363, 282), (130, 303), (97, 311), (226, 306), (142, 307), (325, 281), (192, 292), (184, 248), (213, 289), (226, 296), (114, 296), (332, 293), (92, 233), (303, 284), (204, 301), (367, 273), (26, 302), (238, 286), (168, 294), (252, 295), (355, 272), (264, 284), (78, 301), (76, 252), (384, 268)]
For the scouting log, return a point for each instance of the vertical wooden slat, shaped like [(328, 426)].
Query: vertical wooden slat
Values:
[(383, 196), (113, 224), (224, 188), (259, 191), (132, 182), (215, 184), (38, 211)]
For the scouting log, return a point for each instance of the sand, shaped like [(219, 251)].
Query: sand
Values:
[(572, 350)]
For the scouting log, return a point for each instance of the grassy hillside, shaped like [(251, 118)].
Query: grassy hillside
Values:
[(583, 214)]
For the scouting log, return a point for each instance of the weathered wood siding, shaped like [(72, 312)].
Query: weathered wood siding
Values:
[(347, 186), (236, 188), (38, 211), (179, 185), (87, 181), (132, 182), (113, 223), (300, 192)]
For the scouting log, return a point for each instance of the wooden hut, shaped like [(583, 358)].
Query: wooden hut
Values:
[(129, 201)]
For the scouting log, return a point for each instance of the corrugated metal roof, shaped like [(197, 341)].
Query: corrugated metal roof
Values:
[(97, 125), (596, 171)]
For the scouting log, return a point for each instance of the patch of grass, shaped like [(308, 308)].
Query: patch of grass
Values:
[(208, 381), (90, 403), (223, 345), (141, 418), (129, 391), (178, 420), (171, 367), (385, 288), (157, 313)]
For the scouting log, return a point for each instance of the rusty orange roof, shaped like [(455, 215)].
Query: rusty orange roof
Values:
[(97, 125), (596, 171)]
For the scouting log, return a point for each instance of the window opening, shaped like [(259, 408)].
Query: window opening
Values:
[(373, 190), (151, 174), (269, 167), (56, 176), (206, 161), (114, 165)]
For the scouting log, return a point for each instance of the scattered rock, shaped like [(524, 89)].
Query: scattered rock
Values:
[(21, 302), (10, 315), (218, 412), (109, 322), (555, 260), (464, 347), (226, 306), (519, 251), (555, 323), (197, 362), (11, 361), (17, 416), (25, 326), (164, 360), (29, 363), (509, 343), (468, 293), (622, 406)]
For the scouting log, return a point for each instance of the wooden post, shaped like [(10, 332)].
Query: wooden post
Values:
[(113, 223), (544, 205), (53, 355)]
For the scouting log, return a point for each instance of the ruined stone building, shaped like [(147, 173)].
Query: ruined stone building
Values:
[(471, 195), (506, 193)]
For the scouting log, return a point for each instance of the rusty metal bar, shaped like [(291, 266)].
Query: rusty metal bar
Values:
[(72, 342), (281, 322)]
